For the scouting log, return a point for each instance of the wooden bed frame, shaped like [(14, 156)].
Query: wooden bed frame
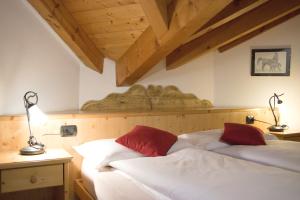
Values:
[(81, 192)]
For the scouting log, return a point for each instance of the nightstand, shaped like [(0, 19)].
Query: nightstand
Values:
[(288, 135), (44, 176)]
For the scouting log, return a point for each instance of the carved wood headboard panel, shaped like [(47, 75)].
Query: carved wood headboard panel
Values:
[(153, 98)]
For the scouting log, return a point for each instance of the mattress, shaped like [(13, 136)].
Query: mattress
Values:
[(114, 185)]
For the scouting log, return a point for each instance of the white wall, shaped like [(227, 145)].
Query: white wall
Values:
[(32, 57), (196, 77), (95, 86), (234, 86)]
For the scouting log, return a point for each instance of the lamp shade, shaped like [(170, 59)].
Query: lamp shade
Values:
[(37, 117)]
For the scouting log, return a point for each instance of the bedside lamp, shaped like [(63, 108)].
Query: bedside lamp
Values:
[(34, 116), (276, 127)]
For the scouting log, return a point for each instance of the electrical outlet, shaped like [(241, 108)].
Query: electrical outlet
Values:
[(68, 130), (250, 119)]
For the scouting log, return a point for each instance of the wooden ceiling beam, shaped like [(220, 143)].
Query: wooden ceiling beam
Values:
[(156, 12), (230, 12), (187, 17), (243, 25), (58, 17), (258, 31)]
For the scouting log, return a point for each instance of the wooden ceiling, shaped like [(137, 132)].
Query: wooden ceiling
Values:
[(113, 25), (137, 34)]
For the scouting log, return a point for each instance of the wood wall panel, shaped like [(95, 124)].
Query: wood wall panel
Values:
[(14, 131)]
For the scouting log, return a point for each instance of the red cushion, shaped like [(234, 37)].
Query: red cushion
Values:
[(241, 134), (148, 141)]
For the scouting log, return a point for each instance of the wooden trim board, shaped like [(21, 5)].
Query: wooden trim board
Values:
[(81, 192)]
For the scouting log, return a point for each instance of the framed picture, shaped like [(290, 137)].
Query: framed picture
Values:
[(270, 62)]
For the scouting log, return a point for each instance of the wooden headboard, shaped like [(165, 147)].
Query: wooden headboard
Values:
[(14, 130)]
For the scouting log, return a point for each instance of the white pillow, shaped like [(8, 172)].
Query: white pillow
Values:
[(202, 138), (209, 140), (180, 144), (219, 144), (102, 152), (216, 145)]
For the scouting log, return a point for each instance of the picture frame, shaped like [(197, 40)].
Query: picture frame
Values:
[(270, 62)]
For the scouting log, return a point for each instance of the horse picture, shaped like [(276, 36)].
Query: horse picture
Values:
[(270, 62), (273, 63)]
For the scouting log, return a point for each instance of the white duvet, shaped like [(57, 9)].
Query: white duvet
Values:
[(279, 153), (116, 185), (194, 174)]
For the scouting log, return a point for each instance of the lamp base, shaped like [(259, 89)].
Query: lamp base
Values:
[(277, 128), (32, 150)]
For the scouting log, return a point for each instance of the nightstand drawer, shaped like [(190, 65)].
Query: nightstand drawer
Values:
[(31, 178)]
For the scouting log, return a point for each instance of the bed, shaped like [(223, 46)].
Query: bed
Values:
[(278, 153), (190, 173)]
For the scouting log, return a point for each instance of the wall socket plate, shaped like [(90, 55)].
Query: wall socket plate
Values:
[(68, 130), (250, 119)]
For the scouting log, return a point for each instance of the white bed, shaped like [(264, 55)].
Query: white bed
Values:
[(114, 184), (278, 153), (195, 174)]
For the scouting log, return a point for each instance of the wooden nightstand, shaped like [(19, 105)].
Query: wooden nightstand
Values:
[(44, 176), (288, 135)]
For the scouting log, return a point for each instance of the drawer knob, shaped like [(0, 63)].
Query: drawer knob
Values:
[(33, 179)]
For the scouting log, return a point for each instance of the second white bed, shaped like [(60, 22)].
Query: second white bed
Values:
[(278, 153)]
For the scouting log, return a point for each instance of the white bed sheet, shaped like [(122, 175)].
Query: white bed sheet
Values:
[(115, 185), (279, 153)]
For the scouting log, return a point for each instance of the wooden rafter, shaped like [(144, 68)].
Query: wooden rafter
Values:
[(258, 31), (156, 12), (188, 16), (57, 16), (230, 12), (243, 25)]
